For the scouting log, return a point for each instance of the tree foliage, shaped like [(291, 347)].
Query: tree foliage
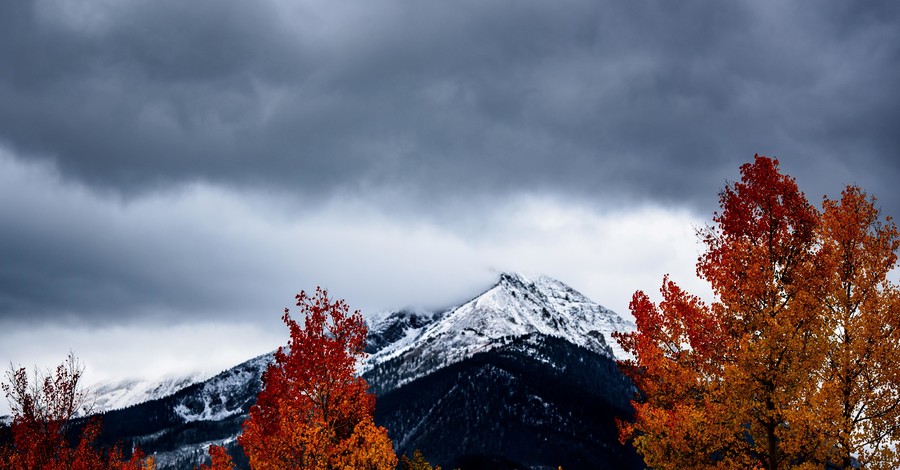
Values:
[(44, 413), (860, 394), (314, 412), (219, 459), (790, 367), (417, 462)]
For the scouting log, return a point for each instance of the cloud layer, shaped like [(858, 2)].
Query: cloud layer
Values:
[(204, 253), (622, 100)]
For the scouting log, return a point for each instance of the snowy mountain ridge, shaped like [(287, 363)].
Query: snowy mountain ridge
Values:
[(117, 394), (515, 306), (227, 394)]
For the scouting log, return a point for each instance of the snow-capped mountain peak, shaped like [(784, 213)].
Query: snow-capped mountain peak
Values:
[(517, 306), (514, 306)]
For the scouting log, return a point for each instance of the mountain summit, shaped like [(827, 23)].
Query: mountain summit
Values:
[(417, 343)]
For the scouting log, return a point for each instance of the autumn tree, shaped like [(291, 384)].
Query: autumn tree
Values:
[(417, 462), (219, 459), (678, 375), (860, 393), (314, 412), (760, 263), (116, 461), (729, 384), (44, 415)]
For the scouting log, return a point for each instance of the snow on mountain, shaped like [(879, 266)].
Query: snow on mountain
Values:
[(515, 306), (227, 394), (421, 340), (118, 394), (397, 330)]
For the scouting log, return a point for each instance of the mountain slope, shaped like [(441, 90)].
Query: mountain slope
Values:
[(117, 394), (178, 428), (535, 401)]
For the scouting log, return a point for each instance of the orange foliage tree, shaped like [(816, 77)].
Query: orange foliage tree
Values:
[(43, 414), (417, 462), (314, 412), (219, 459), (860, 393), (782, 370)]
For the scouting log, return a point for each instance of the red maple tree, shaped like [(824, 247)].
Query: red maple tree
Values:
[(44, 413), (314, 412), (219, 459)]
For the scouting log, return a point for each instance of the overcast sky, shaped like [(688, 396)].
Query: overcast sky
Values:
[(172, 173)]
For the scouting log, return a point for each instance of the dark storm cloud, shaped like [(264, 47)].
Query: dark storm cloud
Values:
[(637, 100)]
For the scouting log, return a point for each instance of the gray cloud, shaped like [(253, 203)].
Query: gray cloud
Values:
[(74, 257), (629, 101)]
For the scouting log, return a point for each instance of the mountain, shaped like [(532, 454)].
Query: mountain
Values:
[(178, 428), (418, 344), (533, 401), (117, 394), (521, 376)]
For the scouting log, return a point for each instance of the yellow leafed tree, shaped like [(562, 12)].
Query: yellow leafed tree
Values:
[(860, 394)]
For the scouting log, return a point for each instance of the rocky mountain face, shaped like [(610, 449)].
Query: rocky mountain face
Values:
[(532, 401), (521, 376)]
